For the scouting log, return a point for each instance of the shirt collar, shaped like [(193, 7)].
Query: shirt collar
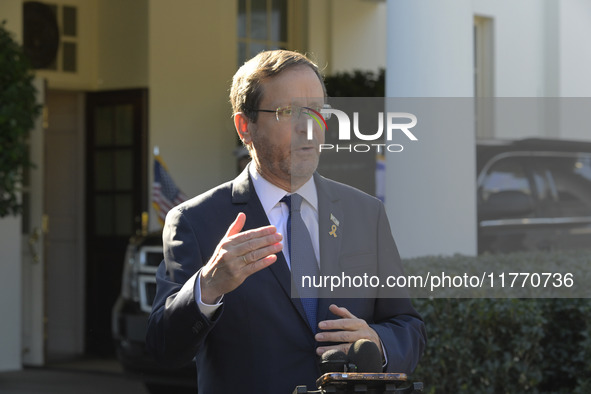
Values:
[(270, 195)]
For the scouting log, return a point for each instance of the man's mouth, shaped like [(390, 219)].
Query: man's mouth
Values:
[(304, 148)]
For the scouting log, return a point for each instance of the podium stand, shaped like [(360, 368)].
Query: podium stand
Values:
[(369, 383)]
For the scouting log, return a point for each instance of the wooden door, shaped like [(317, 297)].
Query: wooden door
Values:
[(116, 194)]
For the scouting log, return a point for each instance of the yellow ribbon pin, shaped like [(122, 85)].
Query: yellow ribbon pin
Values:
[(334, 231)]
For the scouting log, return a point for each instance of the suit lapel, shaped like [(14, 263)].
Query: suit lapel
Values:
[(243, 192), (331, 221)]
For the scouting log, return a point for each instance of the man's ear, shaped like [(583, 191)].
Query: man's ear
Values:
[(242, 125)]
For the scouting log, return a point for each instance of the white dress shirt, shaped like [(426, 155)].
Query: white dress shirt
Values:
[(278, 213)]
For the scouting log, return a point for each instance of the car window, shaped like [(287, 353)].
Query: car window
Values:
[(571, 178), (505, 175), (505, 191)]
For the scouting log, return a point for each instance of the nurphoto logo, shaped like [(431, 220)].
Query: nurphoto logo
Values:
[(392, 121)]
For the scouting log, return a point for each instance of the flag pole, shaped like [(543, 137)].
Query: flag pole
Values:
[(156, 150)]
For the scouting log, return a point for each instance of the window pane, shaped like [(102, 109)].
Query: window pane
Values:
[(256, 48), (242, 18), (69, 56), (123, 215), (505, 192), (69, 21), (279, 20), (241, 53), (124, 169), (103, 171), (103, 215), (103, 126), (124, 124), (258, 21), (506, 175)]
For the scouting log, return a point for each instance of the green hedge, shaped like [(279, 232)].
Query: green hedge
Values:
[(481, 345)]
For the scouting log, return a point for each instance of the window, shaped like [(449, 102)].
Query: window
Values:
[(571, 177), (484, 76), (67, 56), (505, 192), (505, 175), (262, 25)]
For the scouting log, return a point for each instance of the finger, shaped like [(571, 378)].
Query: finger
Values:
[(237, 226), (341, 312), (339, 336), (252, 234), (343, 347), (256, 244), (255, 255), (341, 324), (259, 265)]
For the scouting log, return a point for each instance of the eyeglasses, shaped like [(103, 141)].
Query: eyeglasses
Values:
[(294, 112)]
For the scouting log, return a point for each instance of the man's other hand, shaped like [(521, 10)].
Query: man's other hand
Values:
[(346, 330)]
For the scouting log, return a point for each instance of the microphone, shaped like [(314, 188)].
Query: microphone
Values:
[(360, 370), (363, 357), (335, 361), (366, 356)]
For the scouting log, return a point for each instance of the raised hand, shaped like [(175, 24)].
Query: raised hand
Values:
[(237, 256)]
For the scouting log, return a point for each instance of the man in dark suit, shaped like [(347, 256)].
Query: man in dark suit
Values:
[(224, 290)]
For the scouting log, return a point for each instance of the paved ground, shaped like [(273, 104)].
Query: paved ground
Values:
[(86, 377), (47, 381)]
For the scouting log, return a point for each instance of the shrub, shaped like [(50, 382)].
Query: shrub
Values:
[(506, 345), (18, 111), (356, 83)]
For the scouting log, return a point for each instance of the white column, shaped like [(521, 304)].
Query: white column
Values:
[(430, 187)]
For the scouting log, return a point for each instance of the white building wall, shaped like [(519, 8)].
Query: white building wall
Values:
[(357, 33), (10, 295), (122, 44), (346, 35), (112, 46), (518, 46), (523, 67), (575, 50), (539, 51), (430, 187), (575, 69), (192, 58), (10, 241)]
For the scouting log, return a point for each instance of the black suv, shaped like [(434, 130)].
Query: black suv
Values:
[(532, 194), (130, 320)]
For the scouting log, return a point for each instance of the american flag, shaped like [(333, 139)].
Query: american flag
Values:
[(165, 194)]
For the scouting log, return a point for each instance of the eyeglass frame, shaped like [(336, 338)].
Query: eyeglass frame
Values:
[(276, 111)]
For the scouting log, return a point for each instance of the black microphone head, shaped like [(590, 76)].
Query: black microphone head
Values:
[(333, 361), (366, 355)]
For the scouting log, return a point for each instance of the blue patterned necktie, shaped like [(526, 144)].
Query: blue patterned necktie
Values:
[(302, 257)]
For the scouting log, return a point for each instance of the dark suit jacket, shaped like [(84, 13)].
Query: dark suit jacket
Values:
[(258, 341)]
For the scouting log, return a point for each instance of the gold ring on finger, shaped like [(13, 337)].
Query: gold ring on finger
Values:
[(244, 259)]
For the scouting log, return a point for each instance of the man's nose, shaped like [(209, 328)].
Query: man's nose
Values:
[(301, 123)]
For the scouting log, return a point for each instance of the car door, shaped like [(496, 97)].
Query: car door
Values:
[(509, 209), (568, 180)]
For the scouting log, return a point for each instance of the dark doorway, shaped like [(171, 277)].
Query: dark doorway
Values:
[(116, 195)]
